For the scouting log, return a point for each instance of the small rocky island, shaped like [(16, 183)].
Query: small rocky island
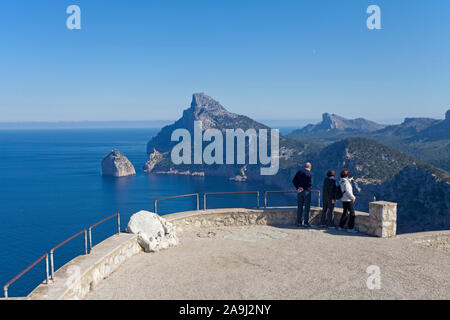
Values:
[(116, 164)]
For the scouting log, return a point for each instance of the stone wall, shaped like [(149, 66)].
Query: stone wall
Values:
[(380, 222)]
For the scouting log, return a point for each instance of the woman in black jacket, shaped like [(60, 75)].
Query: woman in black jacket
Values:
[(329, 199)]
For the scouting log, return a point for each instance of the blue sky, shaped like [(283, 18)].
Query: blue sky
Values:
[(142, 60)]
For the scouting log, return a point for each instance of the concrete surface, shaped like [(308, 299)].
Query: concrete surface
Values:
[(268, 262)]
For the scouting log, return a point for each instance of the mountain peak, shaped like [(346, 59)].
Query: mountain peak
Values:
[(211, 114), (207, 110), (326, 117), (203, 101), (332, 121), (335, 122)]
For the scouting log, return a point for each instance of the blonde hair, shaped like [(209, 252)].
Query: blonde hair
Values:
[(308, 165)]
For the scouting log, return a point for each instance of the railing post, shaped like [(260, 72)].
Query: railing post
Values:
[(257, 199), (52, 266), (90, 238), (265, 199), (156, 209), (204, 201), (319, 199), (198, 202), (118, 223), (46, 269), (85, 242), (5, 292)]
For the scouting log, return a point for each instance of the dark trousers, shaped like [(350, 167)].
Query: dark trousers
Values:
[(326, 217), (304, 199), (346, 216)]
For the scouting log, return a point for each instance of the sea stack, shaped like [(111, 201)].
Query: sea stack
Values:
[(116, 164)]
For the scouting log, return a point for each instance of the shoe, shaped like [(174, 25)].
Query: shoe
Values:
[(307, 226), (339, 229), (332, 227), (351, 231)]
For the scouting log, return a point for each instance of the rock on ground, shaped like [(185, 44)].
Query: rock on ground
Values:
[(155, 233), (117, 165)]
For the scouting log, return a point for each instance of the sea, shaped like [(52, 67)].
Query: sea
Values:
[(51, 188)]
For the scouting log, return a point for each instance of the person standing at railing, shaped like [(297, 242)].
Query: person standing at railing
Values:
[(329, 199), (303, 181), (348, 200)]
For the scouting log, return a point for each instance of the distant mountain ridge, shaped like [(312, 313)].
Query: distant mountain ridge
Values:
[(335, 122), (423, 138), (421, 128), (409, 127), (436, 131)]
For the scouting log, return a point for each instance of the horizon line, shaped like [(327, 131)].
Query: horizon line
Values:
[(166, 120)]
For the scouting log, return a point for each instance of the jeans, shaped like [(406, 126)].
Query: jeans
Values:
[(346, 217), (304, 199), (327, 213)]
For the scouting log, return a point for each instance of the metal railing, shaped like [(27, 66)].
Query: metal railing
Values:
[(96, 224), (288, 191), (6, 286), (176, 197), (52, 265), (46, 256), (237, 192)]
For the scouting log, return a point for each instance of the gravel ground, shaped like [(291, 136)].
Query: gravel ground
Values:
[(264, 262)]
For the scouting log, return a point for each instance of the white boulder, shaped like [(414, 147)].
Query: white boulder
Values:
[(154, 232)]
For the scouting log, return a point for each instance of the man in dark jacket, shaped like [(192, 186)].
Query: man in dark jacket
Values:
[(329, 199), (303, 181)]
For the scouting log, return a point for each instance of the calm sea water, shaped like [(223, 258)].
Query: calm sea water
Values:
[(51, 188)]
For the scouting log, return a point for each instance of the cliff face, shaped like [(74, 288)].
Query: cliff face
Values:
[(116, 164), (154, 158), (436, 131), (423, 197)]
